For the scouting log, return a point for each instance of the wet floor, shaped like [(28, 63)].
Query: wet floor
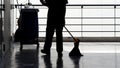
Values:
[(96, 55)]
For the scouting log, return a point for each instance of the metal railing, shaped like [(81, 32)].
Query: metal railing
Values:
[(112, 28)]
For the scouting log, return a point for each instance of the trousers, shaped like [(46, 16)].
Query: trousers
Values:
[(49, 36)]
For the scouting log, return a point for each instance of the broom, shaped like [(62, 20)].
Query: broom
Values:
[(75, 51)]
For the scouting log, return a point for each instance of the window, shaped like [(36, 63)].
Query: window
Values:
[(89, 21)]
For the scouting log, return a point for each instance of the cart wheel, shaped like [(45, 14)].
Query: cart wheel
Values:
[(21, 46), (37, 46)]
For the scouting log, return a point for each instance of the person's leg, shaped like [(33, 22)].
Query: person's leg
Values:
[(59, 37), (48, 39)]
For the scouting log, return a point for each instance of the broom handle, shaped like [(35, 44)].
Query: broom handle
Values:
[(70, 33)]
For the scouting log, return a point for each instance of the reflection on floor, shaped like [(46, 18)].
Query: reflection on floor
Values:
[(96, 55)]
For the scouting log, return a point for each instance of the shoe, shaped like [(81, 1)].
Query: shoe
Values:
[(60, 54), (45, 52)]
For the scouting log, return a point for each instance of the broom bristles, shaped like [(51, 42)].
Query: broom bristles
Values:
[(75, 51)]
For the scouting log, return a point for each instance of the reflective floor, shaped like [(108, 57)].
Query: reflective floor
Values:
[(96, 55)]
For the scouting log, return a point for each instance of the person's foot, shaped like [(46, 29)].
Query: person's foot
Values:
[(81, 55), (45, 52)]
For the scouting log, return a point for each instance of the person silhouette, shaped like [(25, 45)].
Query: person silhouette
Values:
[(55, 21)]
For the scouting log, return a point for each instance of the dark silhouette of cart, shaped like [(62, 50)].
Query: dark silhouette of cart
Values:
[(28, 27)]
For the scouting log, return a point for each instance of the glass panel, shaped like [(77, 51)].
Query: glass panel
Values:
[(118, 28), (118, 21), (98, 34), (42, 13), (118, 12), (75, 34), (117, 34), (73, 28), (98, 12), (73, 21), (98, 28), (42, 34), (98, 21), (95, 18), (42, 28), (42, 21), (73, 12)]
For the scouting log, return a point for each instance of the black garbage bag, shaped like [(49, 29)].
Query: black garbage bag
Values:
[(18, 35)]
